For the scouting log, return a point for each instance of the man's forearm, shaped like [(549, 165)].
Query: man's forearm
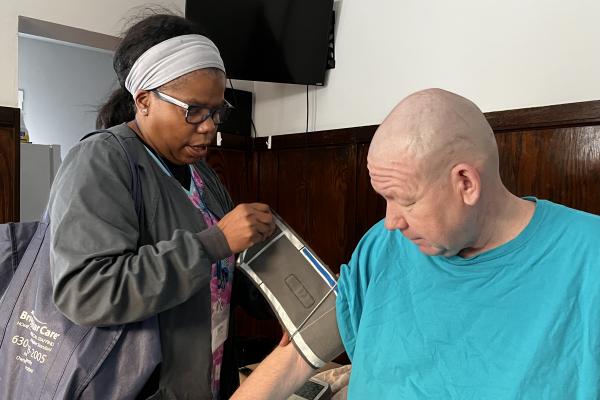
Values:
[(277, 377)]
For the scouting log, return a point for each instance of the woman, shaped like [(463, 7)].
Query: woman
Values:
[(108, 270)]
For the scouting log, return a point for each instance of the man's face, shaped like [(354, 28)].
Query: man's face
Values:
[(426, 210)]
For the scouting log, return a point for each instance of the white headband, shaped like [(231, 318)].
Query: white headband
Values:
[(170, 59)]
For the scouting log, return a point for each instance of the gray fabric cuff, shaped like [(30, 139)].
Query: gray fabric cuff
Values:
[(214, 243)]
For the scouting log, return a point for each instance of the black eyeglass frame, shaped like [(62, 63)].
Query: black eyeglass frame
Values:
[(221, 112)]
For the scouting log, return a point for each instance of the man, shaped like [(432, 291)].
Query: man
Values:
[(466, 291)]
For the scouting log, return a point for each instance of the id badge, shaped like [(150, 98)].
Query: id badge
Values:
[(220, 323)]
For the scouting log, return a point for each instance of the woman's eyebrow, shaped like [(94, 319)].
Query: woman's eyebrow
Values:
[(194, 102)]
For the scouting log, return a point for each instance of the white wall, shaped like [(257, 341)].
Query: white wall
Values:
[(501, 54), (64, 86), (39, 164), (105, 16)]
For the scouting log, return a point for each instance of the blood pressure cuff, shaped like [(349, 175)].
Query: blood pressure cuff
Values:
[(300, 289)]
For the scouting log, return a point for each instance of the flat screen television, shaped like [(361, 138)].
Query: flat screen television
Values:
[(283, 41)]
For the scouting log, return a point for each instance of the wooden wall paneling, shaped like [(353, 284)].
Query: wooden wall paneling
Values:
[(239, 171), (268, 177), (558, 164), (10, 151), (550, 152), (370, 205), (248, 327), (343, 136), (232, 167), (253, 175), (291, 188), (233, 162), (584, 113), (331, 205), (264, 169)]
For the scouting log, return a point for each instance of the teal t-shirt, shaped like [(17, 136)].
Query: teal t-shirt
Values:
[(521, 321)]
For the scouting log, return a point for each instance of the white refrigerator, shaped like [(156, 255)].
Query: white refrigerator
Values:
[(39, 163)]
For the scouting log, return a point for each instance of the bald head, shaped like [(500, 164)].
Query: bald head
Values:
[(435, 162), (435, 129)]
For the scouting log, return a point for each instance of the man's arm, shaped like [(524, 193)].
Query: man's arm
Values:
[(279, 375)]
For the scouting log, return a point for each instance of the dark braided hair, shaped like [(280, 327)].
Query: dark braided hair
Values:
[(138, 38)]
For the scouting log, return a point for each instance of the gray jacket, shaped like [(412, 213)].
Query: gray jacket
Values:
[(102, 276)]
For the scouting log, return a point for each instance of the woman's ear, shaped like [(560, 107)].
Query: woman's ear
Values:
[(142, 102), (467, 183)]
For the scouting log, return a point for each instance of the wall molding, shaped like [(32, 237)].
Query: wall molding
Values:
[(560, 115), (67, 35)]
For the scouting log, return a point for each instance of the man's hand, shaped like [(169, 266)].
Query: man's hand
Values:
[(246, 225)]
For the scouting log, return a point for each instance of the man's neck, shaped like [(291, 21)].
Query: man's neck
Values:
[(504, 218)]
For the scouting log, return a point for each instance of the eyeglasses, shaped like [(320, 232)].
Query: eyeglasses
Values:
[(195, 114)]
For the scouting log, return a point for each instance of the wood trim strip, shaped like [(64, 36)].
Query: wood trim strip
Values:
[(68, 34), (333, 137), (10, 158), (233, 142), (571, 114), (9, 117)]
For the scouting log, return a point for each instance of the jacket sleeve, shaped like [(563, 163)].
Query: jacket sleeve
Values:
[(100, 275), (247, 294)]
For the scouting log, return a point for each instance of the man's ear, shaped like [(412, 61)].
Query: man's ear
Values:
[(142, 102), (466, 181)]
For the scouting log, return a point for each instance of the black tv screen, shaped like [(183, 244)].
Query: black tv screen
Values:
[(268, 40)]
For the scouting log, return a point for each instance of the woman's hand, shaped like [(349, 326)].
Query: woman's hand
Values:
[(246, 225), (285, 339)]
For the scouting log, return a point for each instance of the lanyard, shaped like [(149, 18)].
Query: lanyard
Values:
[(166, 170), (193, 186)]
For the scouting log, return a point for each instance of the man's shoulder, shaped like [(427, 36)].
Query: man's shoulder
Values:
[(375, 236), (376, 230), (571, 217), (380, 243), (570, 229)]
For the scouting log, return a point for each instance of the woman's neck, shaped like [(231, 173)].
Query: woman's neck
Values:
[(180, 172)]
